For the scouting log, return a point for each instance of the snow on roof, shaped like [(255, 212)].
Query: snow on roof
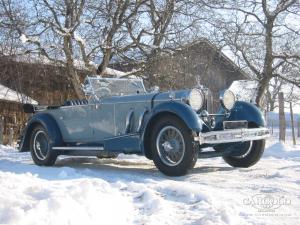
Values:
[(113, 72), (118, 74), (79, 64), (245, 90), (8, 94)]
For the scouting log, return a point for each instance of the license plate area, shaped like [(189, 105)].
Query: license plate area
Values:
[(229, 125)]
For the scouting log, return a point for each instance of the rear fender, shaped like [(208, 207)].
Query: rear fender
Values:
[(48, 122)]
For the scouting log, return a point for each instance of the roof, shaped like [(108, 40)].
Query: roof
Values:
[(7, 94), (79, 64)]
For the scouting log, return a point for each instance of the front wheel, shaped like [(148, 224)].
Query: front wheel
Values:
[(249, 154), (40, 147), (172, 145)]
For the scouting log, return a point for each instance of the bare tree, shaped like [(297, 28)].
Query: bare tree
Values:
[(92, 33), (47, 28), (276, 85), (261, 35), (73, 32), (274, 88), (170, 25)]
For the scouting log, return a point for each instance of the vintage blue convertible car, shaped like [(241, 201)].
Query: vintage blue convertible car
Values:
[(172, 128)]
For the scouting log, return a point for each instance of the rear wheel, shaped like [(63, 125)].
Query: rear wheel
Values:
[(172, 145), (249, 154), (40, 147)]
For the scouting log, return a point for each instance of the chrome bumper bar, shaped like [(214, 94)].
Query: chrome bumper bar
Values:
[(232, 135)]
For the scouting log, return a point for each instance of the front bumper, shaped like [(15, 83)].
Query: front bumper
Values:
[(232, 135)]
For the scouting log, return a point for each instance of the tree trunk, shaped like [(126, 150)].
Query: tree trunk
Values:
[(105, 61), (292, 121), (262, 86), (1, 130), (268, 62), (272, 105), (282, 124), (71, 70), (76, 83)]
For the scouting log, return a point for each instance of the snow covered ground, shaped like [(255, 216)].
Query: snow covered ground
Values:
[(130, 190)]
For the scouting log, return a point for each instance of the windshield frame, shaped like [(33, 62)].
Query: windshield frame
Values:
[(90, 90)]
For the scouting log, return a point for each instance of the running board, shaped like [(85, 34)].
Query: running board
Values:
[(78, 148)]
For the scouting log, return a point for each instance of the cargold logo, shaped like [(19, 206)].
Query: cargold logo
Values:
[(267, 202)]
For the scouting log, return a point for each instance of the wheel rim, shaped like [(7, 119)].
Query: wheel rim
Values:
[(40, 145), (246, 151), (170, 146)]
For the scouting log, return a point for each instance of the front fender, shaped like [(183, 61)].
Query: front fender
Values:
[(181, 110), (45, 120), (249, 112)]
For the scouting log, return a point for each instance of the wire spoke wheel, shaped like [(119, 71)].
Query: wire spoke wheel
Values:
[(41, 145), (170, 145)]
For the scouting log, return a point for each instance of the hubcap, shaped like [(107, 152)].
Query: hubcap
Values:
[(170, 146), (40, 145)]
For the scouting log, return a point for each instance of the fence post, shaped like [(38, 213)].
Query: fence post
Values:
[(298, 127), (282, 124), (1, 130), (292, 121), (11, 136)]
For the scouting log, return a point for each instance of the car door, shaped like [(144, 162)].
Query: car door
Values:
[(74, 122), (102, 121)]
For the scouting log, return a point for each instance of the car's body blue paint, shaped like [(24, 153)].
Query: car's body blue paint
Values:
[(249, 112), (126, 144), (177, 108), (105, 123), (242, 111), (182, 110)]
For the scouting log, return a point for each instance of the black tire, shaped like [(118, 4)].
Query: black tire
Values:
[(40, 147), (188, 155), (250, 157)]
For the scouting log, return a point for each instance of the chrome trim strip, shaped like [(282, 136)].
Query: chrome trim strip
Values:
[(121, 136), (141, 118), (128, 121), (78, 148), (234, 135)]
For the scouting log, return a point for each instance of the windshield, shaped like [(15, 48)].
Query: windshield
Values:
[(102, 87)]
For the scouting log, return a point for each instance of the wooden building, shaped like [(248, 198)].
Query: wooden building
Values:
[(196, 64), (11, 113), (46, 82)]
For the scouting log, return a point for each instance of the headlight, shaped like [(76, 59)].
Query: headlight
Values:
[(196, 99), (227, 99)]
